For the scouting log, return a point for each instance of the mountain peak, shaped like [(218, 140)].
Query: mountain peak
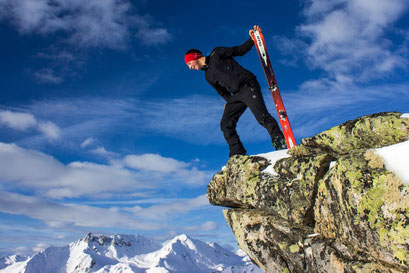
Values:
[(182, 237), (120, 240)]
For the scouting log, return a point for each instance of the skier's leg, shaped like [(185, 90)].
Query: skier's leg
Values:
[(251, 95), (254, 100), (232, 112)]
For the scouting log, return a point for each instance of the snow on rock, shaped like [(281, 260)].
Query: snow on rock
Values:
[(184, 254), (405, 115), (274, 157), (49, 260), (241, 253), (241, 269), (396, 158), (13, 264), (118, 268), (132, 254), (248, 267), (10, 260), (19, 267)]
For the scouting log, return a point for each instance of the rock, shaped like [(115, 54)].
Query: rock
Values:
[(333, 207), (373, 131), (242, 184), (365, 206), (278, 247)]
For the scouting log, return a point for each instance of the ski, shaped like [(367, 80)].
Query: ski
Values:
[(260, 43)]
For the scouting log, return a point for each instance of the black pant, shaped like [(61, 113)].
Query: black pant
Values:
[(248, 96)]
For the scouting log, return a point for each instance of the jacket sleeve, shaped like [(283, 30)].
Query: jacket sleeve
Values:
[(226, 52), (221, 90)]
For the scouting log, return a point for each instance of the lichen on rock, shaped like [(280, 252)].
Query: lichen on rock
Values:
[(357, 209), (373, 131)]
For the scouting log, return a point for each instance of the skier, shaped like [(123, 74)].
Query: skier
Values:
[(239, 88)]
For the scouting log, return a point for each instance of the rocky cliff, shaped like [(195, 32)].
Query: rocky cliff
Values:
[(330, 206)]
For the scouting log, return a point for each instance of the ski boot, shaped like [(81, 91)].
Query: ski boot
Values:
[(279, 143)]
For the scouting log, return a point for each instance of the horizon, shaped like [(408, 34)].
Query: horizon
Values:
[(105, 130)]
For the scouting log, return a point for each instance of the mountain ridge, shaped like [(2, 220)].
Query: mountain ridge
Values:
[(122, 253)]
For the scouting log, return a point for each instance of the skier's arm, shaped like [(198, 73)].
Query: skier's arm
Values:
[(221, 90), (226, 52)]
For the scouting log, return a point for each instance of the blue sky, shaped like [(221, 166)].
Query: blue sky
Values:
[(104, 129)]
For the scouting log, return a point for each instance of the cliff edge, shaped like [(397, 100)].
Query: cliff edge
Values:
[(332, 204)]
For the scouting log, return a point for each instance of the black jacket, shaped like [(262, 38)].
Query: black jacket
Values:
[(224, 73)]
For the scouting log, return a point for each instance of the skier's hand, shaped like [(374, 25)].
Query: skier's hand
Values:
[(251, 31)]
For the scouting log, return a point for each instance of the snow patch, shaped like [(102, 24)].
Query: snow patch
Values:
[(405, 115), (10, 260), (332, 164), (396, 158), (273, 157), (243, 269), (240, 253)]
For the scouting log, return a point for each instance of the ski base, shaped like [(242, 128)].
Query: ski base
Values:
[(260, 43)]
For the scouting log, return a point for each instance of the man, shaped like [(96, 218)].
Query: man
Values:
[(239, 88)]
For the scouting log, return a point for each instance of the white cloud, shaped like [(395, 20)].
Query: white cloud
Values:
[(37, 171), (88, 142), (79, 25), (154, 162), (88, 23), (58, 215), (50, 130), (103, 152), (61, 56), (164, 211), (60, 64), (206, 226), (21, 250), (347, 38), (26, 166), (149, 35), (86, 178), (316, 7), (34, 170), (39, 247), (48, 76), (173, 169), (24, 121), (18, 121), (147, 200), (91, 23)]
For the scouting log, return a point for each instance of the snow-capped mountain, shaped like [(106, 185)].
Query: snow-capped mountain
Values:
[(10, 260), (128, 253)]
